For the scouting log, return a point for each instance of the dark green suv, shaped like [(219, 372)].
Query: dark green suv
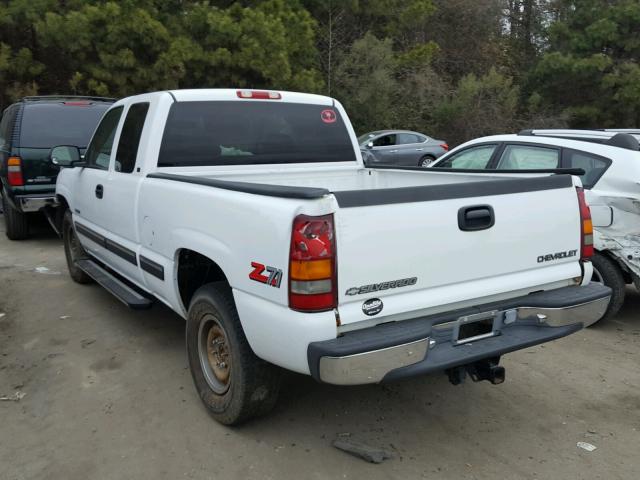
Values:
[(28, 131)]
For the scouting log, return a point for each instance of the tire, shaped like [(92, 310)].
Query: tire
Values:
[(426, 161), (233, 383), (608, 272), (73, 250), (16, 222)]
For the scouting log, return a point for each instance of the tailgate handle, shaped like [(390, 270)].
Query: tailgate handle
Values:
[(476, 217)]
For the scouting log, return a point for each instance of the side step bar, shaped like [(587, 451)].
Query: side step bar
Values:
[(119, 289)]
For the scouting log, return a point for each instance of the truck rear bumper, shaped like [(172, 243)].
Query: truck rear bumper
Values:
[(34, 202), (413, 347)]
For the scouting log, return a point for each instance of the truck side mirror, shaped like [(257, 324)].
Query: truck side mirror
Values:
[(65, 155)]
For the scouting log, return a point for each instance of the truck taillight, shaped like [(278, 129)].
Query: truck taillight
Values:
[(586, 226), (312, 264), (14, 172)]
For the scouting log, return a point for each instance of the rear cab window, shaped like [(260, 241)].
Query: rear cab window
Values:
[(210, 133)]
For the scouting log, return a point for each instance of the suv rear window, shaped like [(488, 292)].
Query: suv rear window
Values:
[(249, 133), (45, 125)]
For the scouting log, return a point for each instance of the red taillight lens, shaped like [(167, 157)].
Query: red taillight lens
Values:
[(312, 264), (586, 227), (258, 94), (14, 172), (445, 146)]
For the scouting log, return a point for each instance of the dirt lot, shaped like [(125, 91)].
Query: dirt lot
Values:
[(107, 395)]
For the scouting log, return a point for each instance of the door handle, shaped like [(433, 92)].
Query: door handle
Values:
[(393, 151), (99, 191), (419, 149), (476, 217)]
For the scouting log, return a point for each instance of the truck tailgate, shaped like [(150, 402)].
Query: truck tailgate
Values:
[(418, 250)]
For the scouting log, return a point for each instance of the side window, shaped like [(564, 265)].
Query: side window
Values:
[(99, 150), (385, 141), (6, 124), (474, 158), (524, 157), (593, 166), (407, 138), (127, 149)]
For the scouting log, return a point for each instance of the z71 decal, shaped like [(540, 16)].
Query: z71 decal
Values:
[(273, 275)]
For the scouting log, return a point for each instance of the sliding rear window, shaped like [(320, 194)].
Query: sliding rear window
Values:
[(250, 132)]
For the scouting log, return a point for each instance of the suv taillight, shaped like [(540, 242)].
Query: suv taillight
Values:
[(14, 172), (586, 227), (312, 264)]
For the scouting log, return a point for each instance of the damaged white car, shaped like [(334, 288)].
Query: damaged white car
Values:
[(611, 163)]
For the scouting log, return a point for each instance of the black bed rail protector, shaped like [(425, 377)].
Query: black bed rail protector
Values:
[(556, 171), (283, 191), (429, 193)]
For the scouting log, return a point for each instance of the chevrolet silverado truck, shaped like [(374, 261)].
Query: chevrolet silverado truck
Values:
[(251, 215)]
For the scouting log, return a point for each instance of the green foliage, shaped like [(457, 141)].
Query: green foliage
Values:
[(454, 69), (120, 48), (366, 83), (591, 68)]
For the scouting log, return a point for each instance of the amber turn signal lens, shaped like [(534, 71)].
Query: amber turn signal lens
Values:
[(311, 269)]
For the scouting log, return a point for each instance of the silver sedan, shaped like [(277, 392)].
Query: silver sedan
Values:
[(400, 147)]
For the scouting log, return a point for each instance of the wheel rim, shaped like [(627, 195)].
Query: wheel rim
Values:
[(214, 353), (426, 162), (597, 276)]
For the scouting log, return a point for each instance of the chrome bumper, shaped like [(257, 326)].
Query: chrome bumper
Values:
[(33, 203), (371, 367), (586, 313), (539, 324)]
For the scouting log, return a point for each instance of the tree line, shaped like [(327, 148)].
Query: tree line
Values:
[(455, 69)]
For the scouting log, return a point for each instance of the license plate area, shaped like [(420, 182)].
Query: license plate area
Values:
[(476, 327)]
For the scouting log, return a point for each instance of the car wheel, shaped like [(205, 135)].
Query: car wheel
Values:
[(232, 381), (607, 272), (16, 222), (73, 250), (426, 161)]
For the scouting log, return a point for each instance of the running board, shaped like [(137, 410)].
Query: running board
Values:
[(123, 292)]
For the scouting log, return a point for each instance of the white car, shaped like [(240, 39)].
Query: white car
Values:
[(251, 215), (611, 162)]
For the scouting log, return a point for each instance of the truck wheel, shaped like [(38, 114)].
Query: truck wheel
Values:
[(16, 222), (233, 383), (606, 271), (73, 250), (426, 161)]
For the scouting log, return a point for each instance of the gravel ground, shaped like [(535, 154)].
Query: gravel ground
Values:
[(101, 392)]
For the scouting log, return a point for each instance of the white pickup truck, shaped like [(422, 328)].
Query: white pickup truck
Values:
[(251, 215)]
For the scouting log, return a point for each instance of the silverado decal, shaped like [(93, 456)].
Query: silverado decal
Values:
[(376, 287), (274, 277), (557, 256)]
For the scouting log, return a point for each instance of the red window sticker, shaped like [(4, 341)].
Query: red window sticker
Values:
[(328, 116)]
